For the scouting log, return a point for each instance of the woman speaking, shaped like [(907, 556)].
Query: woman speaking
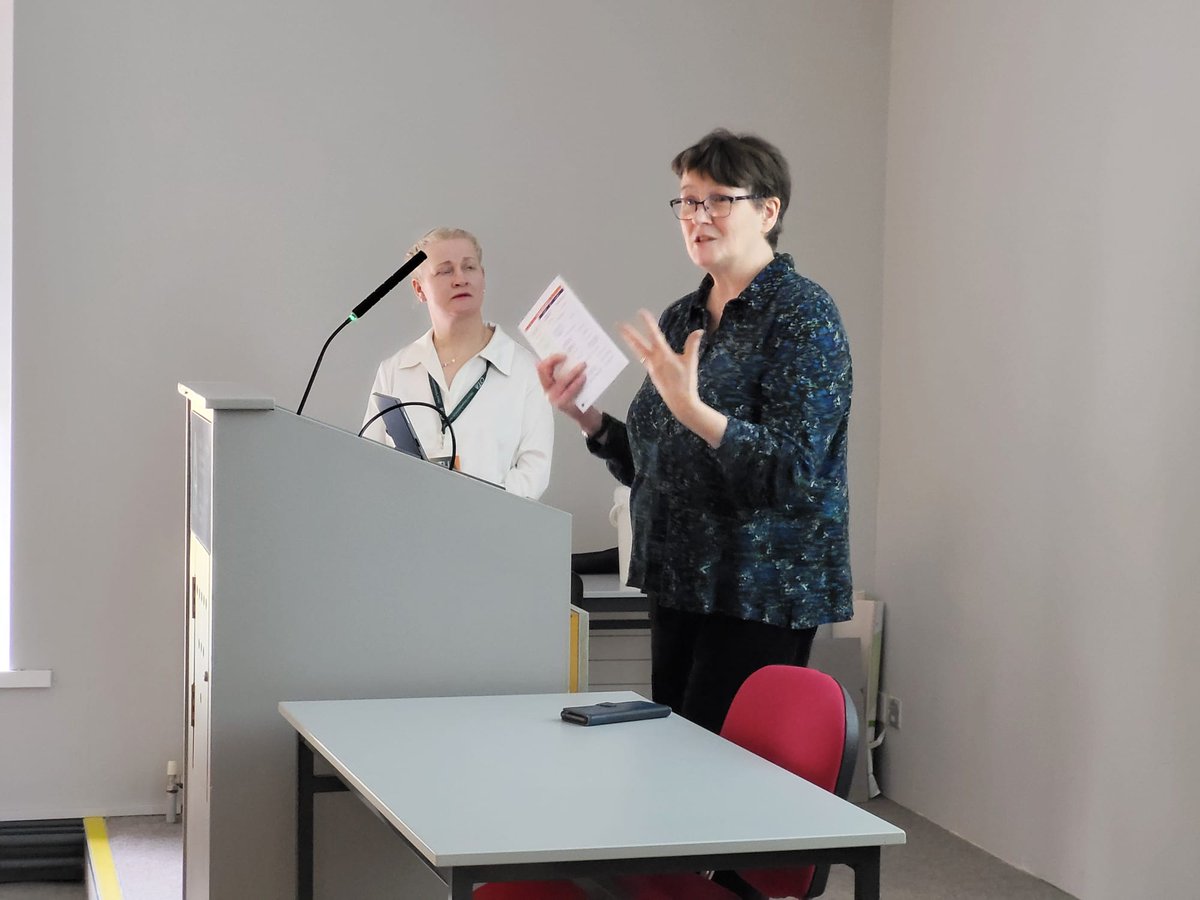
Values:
[(735, 444)]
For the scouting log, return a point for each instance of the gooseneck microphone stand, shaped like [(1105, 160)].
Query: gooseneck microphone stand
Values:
[(361, 310)]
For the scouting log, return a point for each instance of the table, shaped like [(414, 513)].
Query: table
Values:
[(606, 596), (618, 635), (493, 789)]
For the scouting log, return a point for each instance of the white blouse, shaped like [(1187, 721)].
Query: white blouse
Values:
[(505, 435)]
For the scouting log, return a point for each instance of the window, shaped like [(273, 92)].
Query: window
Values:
[(6, 235)]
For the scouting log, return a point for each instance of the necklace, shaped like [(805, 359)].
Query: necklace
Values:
[(448, 363)]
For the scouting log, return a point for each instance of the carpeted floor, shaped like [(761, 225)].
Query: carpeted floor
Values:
[(148, 854), (933, 865), (936, 865), (42, 892)]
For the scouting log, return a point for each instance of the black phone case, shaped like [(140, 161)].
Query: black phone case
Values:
[(623, 711)]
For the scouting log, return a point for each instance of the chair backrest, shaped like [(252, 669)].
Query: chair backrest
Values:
[(804, 721), (530, 890)]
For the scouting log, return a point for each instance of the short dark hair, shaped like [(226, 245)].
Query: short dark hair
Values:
[(741, 159)]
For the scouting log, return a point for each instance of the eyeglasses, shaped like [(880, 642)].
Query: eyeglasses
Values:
[(718, 206)]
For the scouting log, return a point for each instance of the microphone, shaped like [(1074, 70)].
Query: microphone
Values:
[(361, 310), (378, 294)]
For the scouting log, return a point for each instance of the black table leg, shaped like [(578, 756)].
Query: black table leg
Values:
[(461, 885), (866, 875), (304, 821)]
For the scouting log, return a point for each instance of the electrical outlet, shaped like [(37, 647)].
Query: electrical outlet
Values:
[(893, 712)]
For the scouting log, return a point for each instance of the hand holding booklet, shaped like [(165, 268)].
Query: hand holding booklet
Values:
[(560, 323)]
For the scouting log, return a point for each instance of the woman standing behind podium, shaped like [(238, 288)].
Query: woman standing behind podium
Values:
[(485, 384), (735, 444)]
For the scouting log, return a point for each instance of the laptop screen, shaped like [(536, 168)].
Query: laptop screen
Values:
[(400, 430), (398, 426)]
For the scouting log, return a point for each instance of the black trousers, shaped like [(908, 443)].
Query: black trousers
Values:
[(699, 661)]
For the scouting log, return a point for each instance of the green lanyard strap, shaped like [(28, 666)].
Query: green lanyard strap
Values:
[(462, 404)]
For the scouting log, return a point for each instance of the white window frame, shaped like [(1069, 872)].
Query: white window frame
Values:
[(6, 271)]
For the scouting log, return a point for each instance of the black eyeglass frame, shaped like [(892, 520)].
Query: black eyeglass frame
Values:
[(677, 205)]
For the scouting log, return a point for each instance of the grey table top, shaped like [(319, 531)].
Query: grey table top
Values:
[(605, 598), (608, 587), (503, 780)]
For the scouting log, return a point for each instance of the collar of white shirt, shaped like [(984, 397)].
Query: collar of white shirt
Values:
[(499, 351)]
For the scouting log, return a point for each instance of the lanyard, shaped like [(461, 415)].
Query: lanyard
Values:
[(463, 403)]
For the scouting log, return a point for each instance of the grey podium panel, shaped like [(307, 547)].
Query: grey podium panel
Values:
[(339, 568)]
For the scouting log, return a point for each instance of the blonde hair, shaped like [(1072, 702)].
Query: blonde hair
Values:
[(443, 233)]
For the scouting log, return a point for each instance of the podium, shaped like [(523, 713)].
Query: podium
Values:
[(323, 566)]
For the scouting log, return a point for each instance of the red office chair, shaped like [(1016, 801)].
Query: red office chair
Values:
[(530, 890), (799, 719), (683, 886)]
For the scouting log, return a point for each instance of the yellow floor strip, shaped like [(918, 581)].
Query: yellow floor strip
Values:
[(100, 858), (573, 655)]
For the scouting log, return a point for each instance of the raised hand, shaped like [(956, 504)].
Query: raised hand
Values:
[(675, 376)]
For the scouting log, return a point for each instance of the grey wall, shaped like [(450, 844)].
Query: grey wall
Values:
[(1039, 498), (202, 191)]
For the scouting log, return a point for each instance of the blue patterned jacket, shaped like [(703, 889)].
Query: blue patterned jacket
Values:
[(756, 529)]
